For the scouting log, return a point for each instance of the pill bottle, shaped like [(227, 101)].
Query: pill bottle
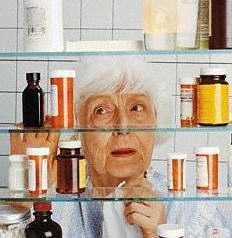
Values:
[(17, 179), (188, 104), (170, 231), (62, 99), (37, 170), (176, 172), (213, 98), (71, 168), (207, 168)]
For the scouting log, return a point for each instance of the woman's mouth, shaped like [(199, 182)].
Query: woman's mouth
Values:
[(123, 152)]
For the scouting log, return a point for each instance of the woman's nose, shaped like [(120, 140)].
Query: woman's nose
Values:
[(121, 119)]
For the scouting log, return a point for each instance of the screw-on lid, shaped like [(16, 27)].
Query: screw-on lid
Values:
[(63, 74), (17, 158), (207, 150), (177, 156), (42, 206), (170, 231), (213, 71), (11, 214), (33, 76), (188, 80), (41, 151), (74, 144)]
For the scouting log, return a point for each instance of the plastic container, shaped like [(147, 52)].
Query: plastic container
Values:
[(170, 231), (176, 172), (37, 170), (17, 173), (188, 104), (62, 99), (43, 25), (207, 159)]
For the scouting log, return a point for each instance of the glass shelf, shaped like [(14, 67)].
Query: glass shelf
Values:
[(93, 195), (13, 129), (96, 53)]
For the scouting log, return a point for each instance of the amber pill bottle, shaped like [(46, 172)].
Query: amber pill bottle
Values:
[(71, 168)]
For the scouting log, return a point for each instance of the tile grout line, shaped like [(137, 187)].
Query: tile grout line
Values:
[(16, 65), (112, 30)]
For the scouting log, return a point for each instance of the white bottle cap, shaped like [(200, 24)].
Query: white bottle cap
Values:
[(170, 231), (177, 156), (213, 71), (63, 74), (75, 144), (41, 151), (188, 80), (17, 158), (207, 150)]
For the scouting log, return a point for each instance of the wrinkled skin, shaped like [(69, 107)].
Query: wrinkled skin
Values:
[(113, 157)]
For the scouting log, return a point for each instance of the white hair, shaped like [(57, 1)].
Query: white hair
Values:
[(104, 74)]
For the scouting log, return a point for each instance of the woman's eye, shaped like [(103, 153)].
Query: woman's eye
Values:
[(137, 108), (100, 111)]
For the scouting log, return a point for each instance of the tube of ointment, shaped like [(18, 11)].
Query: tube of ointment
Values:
[(187, 23)]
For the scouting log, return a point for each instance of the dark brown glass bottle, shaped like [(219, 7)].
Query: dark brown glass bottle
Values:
[(71, 168), (221, 24), (43, 226), (33, 102)]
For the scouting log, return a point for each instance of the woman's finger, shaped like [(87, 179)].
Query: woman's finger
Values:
[(141, 209), (142, 221), (29, 137)]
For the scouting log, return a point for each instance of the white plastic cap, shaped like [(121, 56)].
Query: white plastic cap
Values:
[(207, 150), (63, 74), (213, 71), (41, 151), (170, 231), (188, 80), (70, 144), (177, 156), (17, 158)]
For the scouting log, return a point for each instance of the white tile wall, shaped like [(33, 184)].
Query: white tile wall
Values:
[(102, 20)]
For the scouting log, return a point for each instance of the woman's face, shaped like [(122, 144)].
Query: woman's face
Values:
[(120, 155)]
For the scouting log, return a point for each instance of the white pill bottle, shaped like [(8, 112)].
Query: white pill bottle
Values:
[(43, 25)]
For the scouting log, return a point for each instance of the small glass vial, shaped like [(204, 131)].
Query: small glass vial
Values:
[(229, 166), (176, 172), (188, 108), (17, 173), (170, 231), (207, 168), (71, 168), (37, 170)]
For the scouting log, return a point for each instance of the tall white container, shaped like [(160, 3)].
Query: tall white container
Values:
[(43, 25)]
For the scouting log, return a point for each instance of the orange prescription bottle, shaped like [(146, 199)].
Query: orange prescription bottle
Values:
[(207, 168), (62, 99), (37, 170)]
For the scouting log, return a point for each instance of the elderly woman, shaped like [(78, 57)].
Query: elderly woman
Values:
[(112, 92)]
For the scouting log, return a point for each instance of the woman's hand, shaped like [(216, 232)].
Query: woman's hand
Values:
[(21, 141), (147, 215)]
